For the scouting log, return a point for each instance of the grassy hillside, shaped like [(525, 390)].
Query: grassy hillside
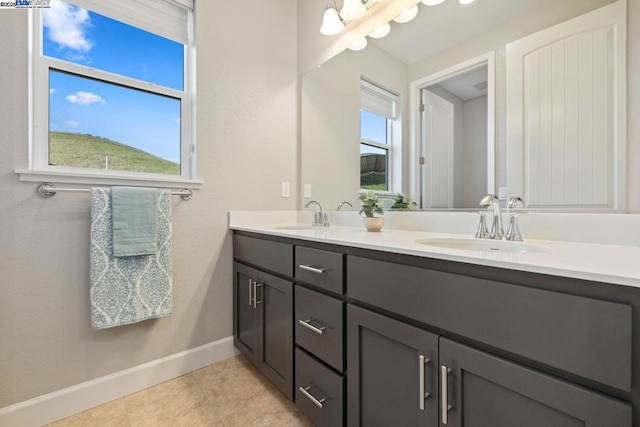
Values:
[(88, 151)]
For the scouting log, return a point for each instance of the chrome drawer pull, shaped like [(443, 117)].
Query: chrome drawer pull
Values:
[(312, 268), (256, 285), (423, 394), (318, 403), (250, 293), (444, 372), (307, 324)]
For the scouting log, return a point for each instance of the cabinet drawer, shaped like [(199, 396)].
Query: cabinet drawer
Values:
[(272, 256), (319, 321), (320, 268), (587, 337), (319, 391)]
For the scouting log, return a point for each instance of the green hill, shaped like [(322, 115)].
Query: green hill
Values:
[(88, 151)]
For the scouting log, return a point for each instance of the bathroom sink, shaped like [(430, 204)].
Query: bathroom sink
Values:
[(494, 246)]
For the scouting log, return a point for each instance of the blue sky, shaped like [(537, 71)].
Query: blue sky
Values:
[(146, 121), (373, 128)]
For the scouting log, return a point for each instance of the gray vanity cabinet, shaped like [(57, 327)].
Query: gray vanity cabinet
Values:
[(481, 390), (263, 311), (430, 343), (392, 372)]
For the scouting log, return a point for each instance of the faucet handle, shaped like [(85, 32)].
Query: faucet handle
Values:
[(513, 233), (482, 232), (325, 219)]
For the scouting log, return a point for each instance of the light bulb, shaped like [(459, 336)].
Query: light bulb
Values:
[(465, 1), (331, 23), (432, 2), (352, 9), (381, 31), (407, 15), (359, 44)]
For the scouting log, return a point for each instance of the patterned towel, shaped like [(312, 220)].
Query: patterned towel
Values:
[(128, 289)]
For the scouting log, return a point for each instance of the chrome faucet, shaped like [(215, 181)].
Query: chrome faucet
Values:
[(344, 203), (320, 217), (497, 231)]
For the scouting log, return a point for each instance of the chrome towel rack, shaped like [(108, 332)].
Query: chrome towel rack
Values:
[(46, 190)]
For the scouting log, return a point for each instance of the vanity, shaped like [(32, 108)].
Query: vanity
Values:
[(380, 329)]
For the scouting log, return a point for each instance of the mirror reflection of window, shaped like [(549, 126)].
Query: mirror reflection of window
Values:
[(377, 120)]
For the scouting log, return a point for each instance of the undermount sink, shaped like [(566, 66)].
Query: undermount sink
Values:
[(493, 246)]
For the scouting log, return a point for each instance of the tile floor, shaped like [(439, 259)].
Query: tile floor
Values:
[(229, 393)]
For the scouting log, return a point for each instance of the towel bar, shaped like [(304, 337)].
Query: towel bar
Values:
[(46, 190)]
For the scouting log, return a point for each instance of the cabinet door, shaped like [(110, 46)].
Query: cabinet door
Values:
[(275, 337), (391, 372), (245, 317), (481, 390)]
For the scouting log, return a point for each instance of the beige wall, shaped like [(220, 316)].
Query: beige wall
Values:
[(247, 77)]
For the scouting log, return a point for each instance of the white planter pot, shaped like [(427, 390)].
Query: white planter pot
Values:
[(373, 224)]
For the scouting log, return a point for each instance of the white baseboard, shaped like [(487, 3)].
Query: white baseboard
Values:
[(50, 407)]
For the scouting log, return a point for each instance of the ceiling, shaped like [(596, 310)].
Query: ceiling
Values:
[(440, 27)]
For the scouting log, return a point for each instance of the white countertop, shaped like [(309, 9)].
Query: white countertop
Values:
[(607, 263)]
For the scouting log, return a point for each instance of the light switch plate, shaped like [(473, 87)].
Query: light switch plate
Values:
[(307, 191), (502, 193), (286, 189)]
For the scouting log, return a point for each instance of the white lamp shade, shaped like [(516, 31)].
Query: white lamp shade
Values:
[(432, 2), (407, 15), (381, 31), (331, 23), (359, 44), (465, 1), (352, 9)]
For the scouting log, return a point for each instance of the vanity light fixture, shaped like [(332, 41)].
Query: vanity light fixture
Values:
[(465, 1), (352, 9), (331, 23), (359, 44), (381, 31), (432, 2), (407, 15)]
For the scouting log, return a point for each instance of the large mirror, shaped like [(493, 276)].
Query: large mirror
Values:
[(423, 111)]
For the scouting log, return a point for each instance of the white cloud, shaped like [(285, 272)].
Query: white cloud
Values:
[(85, 98), (71, 124), (176, 120), (52, 90), (67, 25)]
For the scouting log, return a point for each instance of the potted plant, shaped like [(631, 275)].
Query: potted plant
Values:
[(371, 205), (402, 202)]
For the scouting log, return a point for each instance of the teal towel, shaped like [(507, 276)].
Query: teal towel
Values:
[(134, 221)]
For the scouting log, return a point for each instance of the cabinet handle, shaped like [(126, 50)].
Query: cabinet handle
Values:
[(444, 372), (312, 268), (308, 325), (318, 402), (250, 292), (423, 394), (256, 285)]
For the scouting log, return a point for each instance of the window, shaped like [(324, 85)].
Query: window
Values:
[(377, 120), (112, 89)]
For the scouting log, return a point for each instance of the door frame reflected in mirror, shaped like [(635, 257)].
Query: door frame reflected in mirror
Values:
[(415, 130)]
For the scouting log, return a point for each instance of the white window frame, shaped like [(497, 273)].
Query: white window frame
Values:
[(40, 65), (393, 128)]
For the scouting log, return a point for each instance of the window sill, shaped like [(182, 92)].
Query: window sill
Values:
[(66, 177)]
